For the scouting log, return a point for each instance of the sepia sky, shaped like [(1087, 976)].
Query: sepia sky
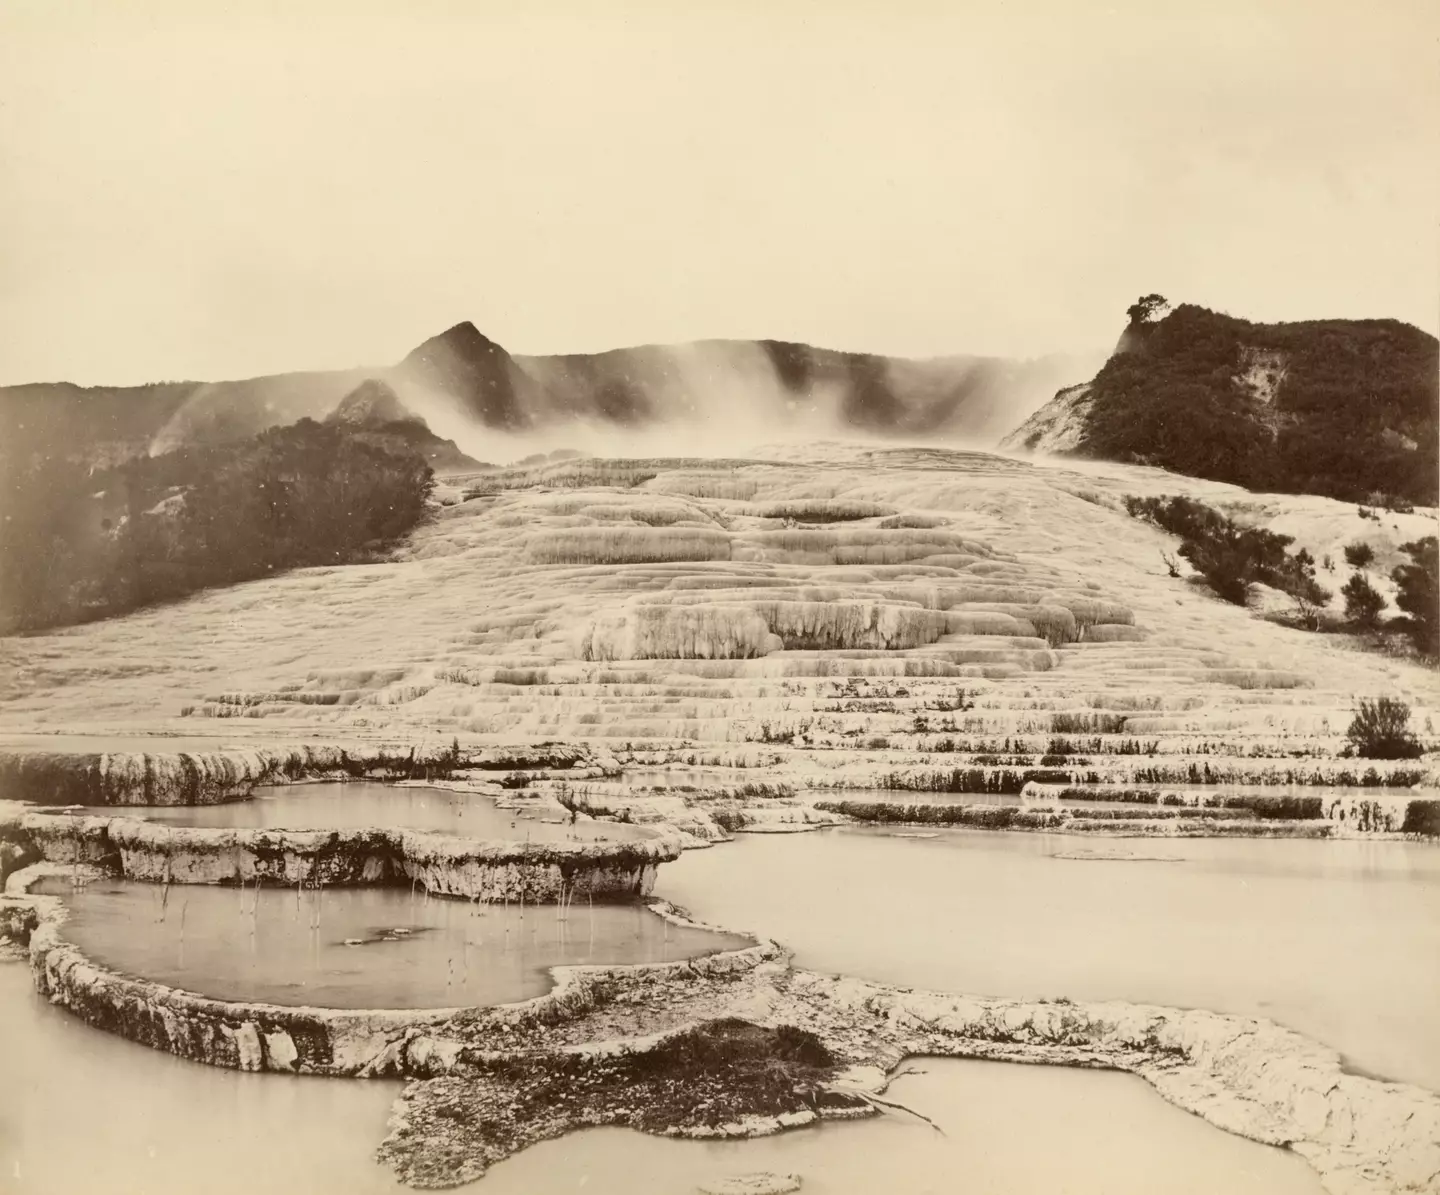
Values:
[(206, 190)]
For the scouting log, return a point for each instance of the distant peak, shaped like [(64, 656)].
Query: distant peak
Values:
[(464, 339)]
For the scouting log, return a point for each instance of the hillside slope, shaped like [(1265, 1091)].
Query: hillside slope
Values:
[(1342, 408), (465, 385)]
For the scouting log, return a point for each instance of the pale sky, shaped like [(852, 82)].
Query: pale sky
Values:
[(209, 190)]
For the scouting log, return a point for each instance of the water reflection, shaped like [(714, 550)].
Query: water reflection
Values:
[(1008, 1130), (154, 1125), (1339, 940)]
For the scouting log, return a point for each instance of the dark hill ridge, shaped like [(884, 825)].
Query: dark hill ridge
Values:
[(468, 378), (1344, 408)]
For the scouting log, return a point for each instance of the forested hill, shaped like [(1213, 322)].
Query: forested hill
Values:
[(1344, 408)]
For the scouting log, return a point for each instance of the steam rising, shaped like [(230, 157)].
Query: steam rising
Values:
[(708, 398)]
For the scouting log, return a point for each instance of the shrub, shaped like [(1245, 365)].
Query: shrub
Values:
[(1311, 598), (1359, 555), (1232, 558), (1422, 817), (1419, 593), (1380, 730), (1362, 602)]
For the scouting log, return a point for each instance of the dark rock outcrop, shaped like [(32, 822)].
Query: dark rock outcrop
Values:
[(1344, 408), (377, 413)]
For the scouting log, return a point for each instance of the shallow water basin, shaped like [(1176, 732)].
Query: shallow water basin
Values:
[(357, 947)]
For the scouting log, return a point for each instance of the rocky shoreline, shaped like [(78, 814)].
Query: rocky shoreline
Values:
[(620, 1044)]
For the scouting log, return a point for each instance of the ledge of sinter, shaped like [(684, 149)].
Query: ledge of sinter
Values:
[(739, 1044), (169, 775), (442, 864)]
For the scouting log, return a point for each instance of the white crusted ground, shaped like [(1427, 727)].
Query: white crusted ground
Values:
[(645, 601)]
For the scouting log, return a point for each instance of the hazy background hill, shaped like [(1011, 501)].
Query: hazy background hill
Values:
[(464, 386), (1343, 408)]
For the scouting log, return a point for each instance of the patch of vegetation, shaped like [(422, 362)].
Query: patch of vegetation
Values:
[(80, 545), (1419, 595), (1363, 602), (1354, 411), (1230, 557), (1381, 730), (716, 1073), (1422, 817), (1359, 555)]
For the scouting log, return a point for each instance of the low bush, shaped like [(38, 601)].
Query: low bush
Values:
[(1380, 730), (1359, 555), (1422, 817), (1363, 602), (1232, 558), (1418, 583)]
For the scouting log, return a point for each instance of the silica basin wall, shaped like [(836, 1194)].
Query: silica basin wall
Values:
[(258, 1036), (359, 804), (440, 864), (177, 777), (356, 948)]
